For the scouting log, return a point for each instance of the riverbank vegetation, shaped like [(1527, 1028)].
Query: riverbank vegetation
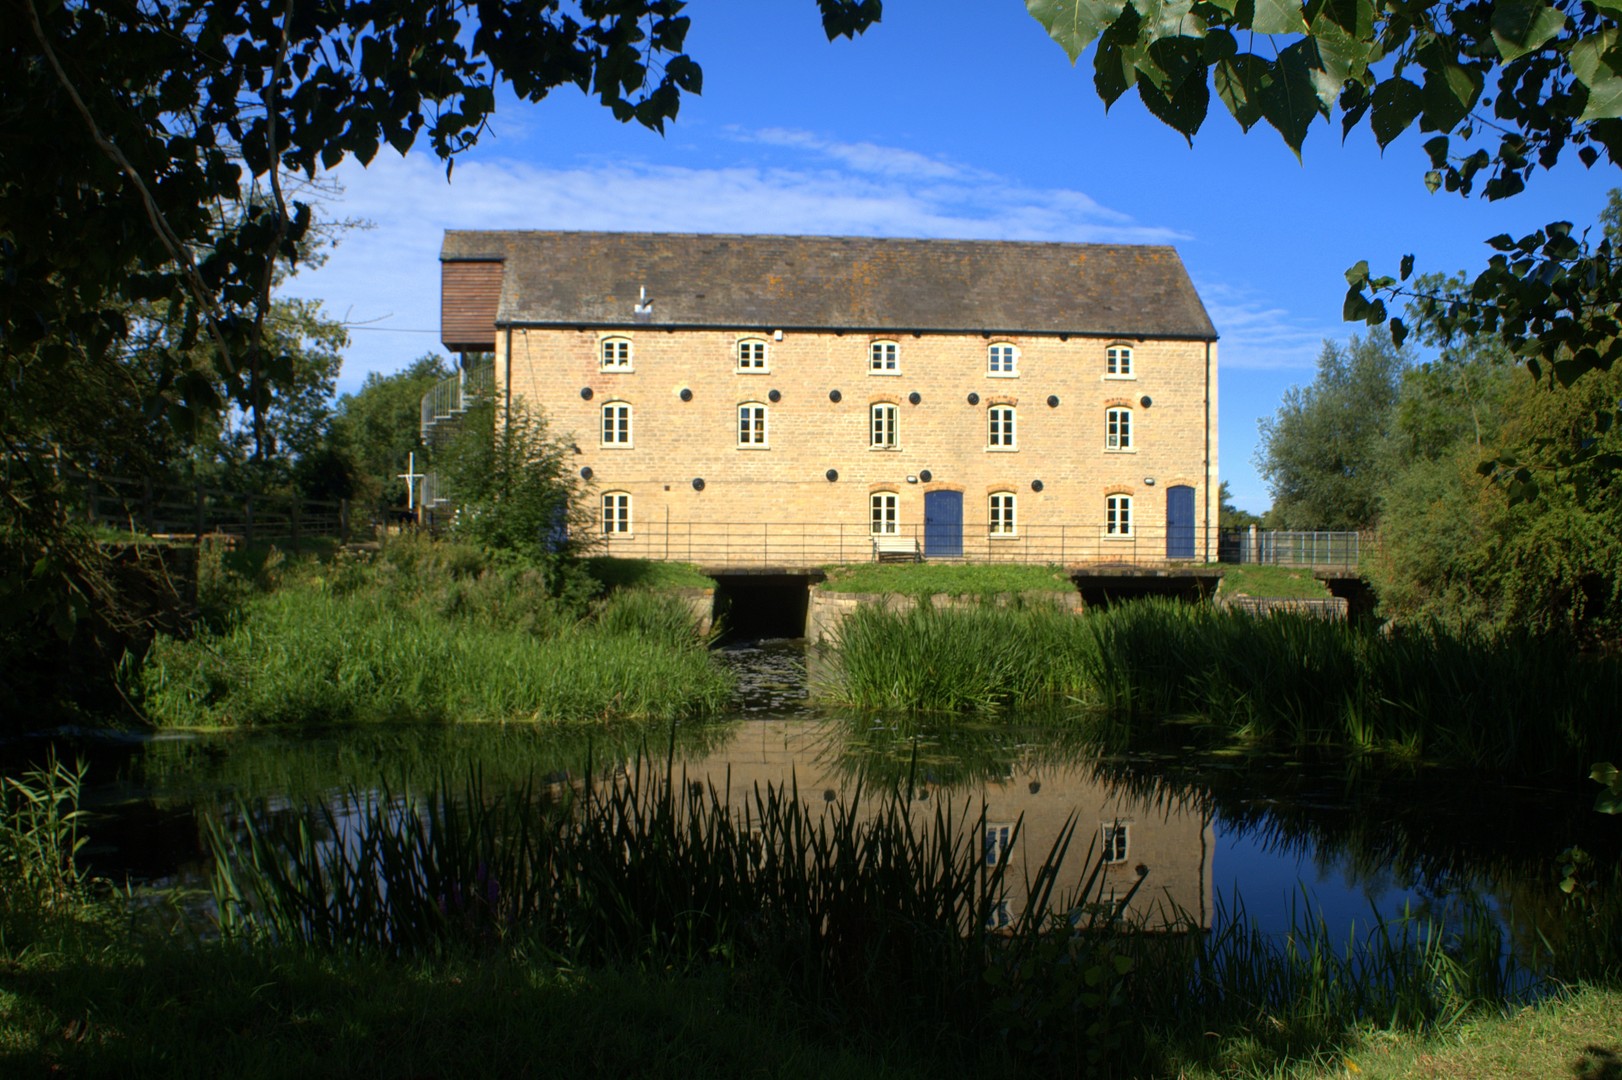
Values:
[(1292, 682), (426, 630), (537, 929)]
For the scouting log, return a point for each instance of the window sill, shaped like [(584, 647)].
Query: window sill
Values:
[(617, 446), (1002, 374), (994, 537), (751, 371), (611, 537), (884, 449), (870, 371), (753, 446), (1120, 449), (1119, 378), (1002, 449), (616, 371), (1118, 537)]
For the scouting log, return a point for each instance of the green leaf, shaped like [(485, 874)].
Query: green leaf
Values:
[(1396, 103), (1184, 110), (1523, 26), (1238, 84), (1288, 98), (1074, 24), (1278, 17), (1358, 273), (1448, 95)]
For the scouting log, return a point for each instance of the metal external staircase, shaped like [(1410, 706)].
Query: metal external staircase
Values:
[(442, 410)]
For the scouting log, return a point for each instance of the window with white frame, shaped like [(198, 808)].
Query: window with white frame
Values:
[(752, 354), (1000, 427), (1114, 841), (883, 516), (999, 915), (1002, 359), (616, 513), (1118, 429), (751, 424), (1118, 361), (883, 432), (1002, 513), (996, 845), (617, 423), (1118, 515), (616, 354), (884, 358)]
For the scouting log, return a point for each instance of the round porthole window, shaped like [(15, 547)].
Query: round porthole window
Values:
[(835, 396), (698, 483), (686, 394), (974, 399), (585, 392), (832, 475)]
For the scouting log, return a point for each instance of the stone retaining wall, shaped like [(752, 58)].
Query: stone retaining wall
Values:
[(827, 610)]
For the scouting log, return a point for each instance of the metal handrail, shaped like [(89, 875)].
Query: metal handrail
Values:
[(450, 398)]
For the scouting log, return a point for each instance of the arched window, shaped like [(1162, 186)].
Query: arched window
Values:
[(616, 354), (883, 513), (752, 355), (617, 423), (884, 358), (1118, 429), (616, 513), (883, 430), (1118, 515), (1001, 516), (1118, 361), (1000, 428), (1002, 359), (751, 424)]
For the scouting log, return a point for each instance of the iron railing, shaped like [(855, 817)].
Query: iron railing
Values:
[(451, 398), (1318, 550), (159, 509), (792, 544)]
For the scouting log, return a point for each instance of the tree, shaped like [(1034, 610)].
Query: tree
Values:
[(512, 484), (1230, 516), (1543, 77), (377, 427), (1323, 454), (154, 153)]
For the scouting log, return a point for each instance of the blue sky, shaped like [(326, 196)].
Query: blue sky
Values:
[(948, 119)]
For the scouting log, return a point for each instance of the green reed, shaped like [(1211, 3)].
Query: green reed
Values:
[(468, 648), (40, 838), (1497, 704), (870, 912)]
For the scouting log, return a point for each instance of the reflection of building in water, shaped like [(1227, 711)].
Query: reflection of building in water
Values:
[(1164, 842)]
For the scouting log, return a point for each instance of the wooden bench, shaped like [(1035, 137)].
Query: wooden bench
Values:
[(896, 549)]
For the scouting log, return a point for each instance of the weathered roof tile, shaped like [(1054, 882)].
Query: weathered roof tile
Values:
[(838, 282)]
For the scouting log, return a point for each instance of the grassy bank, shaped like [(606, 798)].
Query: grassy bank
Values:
[(1271, 582), (946, 579), (427, 631), (1523, 704), (662, 934)]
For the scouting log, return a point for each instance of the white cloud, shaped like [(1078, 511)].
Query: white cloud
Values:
[(1262, 336)]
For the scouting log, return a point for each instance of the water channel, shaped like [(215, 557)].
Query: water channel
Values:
[(1212, 835)]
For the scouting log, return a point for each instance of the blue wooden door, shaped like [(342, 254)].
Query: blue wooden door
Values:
[(943, 524), (1180, 522)]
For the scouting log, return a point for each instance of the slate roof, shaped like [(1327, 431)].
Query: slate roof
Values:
[(837, 282)]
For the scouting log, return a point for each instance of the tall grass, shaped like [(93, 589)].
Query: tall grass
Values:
[(40, 837), (1503, 704), (872, 915), (432, 632)]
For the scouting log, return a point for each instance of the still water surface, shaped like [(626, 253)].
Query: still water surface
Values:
[(1212, 835)]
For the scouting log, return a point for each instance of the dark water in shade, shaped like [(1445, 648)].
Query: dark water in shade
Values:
[(1202, 832)]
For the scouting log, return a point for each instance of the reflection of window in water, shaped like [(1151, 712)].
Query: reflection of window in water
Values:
[(997, 843), (1115, 842), (1000, 917)]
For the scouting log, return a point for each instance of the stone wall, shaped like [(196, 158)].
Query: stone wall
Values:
[(828, 610), (685, 387)]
